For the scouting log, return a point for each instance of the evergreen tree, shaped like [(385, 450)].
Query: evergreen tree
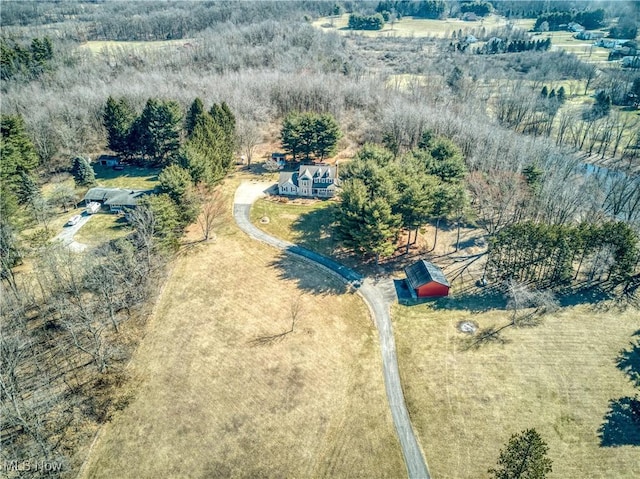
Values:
[(426, 140), (166, 219), (205, 153), (16, 148), (327, 134), (118, 118), (18, 157), (196, 111), (157, 130), (545, 92), (27, 188), (416, 202), (176, 183), (364, 225), (524, 457), (310, 134), (82, 172), (562, 96), (290, 135), (444, 160), (533, 176), (226, 121)]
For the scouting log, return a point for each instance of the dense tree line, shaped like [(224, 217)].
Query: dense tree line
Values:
[(479, 8), (589, 19), (366, 22), (29, 62), (558, 254), (155, 136), (498, 45), (383, 195), (310, 135), (420, 9)]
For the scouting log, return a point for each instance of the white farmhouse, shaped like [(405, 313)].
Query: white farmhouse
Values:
[(310, 181)]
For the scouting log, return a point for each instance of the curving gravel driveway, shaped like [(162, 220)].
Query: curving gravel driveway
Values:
[(246, 194), (68, 232)]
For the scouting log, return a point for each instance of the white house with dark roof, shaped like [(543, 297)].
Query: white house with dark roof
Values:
[(310, 181)]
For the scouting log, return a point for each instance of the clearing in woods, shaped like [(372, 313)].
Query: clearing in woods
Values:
[(211, 403)]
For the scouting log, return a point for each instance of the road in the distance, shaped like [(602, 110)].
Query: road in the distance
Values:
[(246, 194)]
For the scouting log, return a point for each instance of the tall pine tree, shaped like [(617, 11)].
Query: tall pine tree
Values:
[(524, 457), (118, 118)]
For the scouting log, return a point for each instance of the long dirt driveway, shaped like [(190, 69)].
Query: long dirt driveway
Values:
[(246, 194)]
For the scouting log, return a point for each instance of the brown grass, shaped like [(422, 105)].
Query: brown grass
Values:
[(210, 404), (557, 378)]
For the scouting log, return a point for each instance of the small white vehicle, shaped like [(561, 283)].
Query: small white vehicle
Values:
[(92, 208), (73, 220)]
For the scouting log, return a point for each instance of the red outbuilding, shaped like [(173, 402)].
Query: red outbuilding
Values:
[(427, 280)]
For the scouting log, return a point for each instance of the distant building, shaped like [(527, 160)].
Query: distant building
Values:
[(310, 181), (584, 35), (426, 280), (115, 199), (279, 160), (575, 27), (108, 160)]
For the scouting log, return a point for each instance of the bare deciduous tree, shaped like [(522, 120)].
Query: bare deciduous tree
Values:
[(294, 316), (211, 212)]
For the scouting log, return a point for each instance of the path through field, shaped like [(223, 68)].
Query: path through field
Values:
[(377, 301)]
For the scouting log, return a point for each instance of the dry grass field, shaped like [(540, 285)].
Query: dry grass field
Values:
[(558, 378), (413, 27), (101, 46), (211, 403)]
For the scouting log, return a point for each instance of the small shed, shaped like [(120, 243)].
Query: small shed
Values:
[(426, 280), (108, 160)]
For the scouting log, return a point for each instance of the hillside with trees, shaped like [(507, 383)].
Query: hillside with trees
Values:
[(532, 147)]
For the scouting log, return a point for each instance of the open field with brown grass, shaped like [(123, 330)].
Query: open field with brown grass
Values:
[(557, 378), (413, 27), (209, 402), (99, 46)]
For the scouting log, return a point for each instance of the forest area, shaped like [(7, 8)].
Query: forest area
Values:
[(536, 148)]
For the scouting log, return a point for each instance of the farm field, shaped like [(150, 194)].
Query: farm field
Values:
[(211, 402), (421, 27), (99, 46), (413, 27), (557, 378)]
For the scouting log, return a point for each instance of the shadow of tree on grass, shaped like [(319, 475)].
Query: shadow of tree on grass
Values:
[(308, 276), (621, 425), (629, 361)]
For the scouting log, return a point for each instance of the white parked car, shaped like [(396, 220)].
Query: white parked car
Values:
[(73, 220)]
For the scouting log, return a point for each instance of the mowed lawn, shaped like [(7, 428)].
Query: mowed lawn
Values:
[(304, 224), (211, 403), (134, 177), (101, 228), (557, 378)]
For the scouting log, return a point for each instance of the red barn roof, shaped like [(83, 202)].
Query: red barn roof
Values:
[(423, 272)]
